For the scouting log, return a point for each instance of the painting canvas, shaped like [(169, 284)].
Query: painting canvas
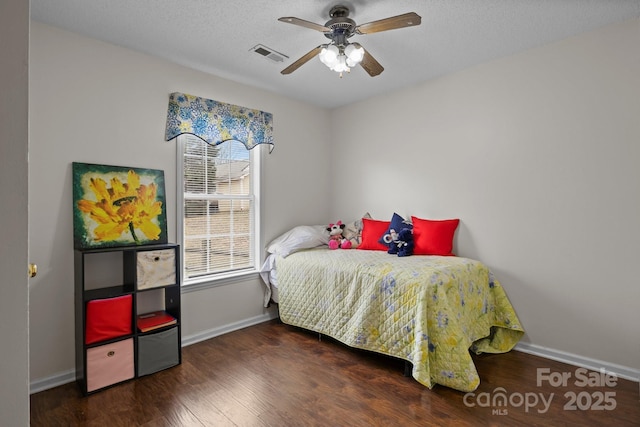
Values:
[(117, 206)]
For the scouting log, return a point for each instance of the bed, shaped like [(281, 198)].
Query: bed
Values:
[(431, 311)]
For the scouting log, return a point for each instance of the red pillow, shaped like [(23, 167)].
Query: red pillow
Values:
[(372, 230), (433, 237)]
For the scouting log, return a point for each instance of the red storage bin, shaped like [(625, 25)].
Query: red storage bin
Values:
[(108, 318)]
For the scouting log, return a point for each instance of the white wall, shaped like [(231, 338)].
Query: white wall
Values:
[(14, 145), (97, 103), (538, 154)]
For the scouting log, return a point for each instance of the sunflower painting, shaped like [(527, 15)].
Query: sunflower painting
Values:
[(117, 206)]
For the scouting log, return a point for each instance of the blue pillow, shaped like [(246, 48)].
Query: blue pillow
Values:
[(397, 223)]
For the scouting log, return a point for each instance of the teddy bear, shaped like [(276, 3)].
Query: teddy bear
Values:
[(336, 239), (405, 242)]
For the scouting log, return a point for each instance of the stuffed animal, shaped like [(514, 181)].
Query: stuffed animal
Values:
[(405, 242), (336, 239), (391, 239), (399, 243)]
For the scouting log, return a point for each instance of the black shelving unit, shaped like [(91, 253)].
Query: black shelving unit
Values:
[(146, 276)]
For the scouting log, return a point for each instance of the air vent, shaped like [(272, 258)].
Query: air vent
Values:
[(269, 53)]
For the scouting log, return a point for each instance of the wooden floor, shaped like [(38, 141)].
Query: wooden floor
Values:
[(276, 375)]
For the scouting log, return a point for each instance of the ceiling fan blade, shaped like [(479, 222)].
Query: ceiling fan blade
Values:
[(370, 64), (410, 19), (302, 23), (300, 62)]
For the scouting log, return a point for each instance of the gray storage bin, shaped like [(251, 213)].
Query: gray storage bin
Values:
[(158, 351)]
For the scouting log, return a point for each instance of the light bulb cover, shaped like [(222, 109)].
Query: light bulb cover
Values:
[(329, 55), (341, 64), (354, 52)]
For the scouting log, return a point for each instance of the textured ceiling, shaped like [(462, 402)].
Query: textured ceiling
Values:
[(216, 36)]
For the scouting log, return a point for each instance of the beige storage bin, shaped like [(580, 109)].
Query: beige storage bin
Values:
[(109, 364), (156, 268)]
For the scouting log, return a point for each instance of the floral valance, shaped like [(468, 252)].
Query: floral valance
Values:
[(216, 122)]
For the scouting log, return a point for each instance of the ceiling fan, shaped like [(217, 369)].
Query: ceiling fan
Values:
[(339, 54)]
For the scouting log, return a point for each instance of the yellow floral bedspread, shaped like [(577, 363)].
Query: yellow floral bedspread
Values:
[(428, 310)]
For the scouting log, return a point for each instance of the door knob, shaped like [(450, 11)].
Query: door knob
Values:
[(33, 270)]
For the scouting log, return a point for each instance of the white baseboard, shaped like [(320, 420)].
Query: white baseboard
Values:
[(225, 329), (620, 371), (536, 350), (66, 377), (56, 380)]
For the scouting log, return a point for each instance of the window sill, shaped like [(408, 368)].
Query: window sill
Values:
[(220, 280)]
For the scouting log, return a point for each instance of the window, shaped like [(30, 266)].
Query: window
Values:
[(218, 207)]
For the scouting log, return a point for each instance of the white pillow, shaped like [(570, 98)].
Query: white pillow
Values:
[(298, 238)]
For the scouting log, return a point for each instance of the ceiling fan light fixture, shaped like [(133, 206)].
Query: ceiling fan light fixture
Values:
[(341, 59)]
